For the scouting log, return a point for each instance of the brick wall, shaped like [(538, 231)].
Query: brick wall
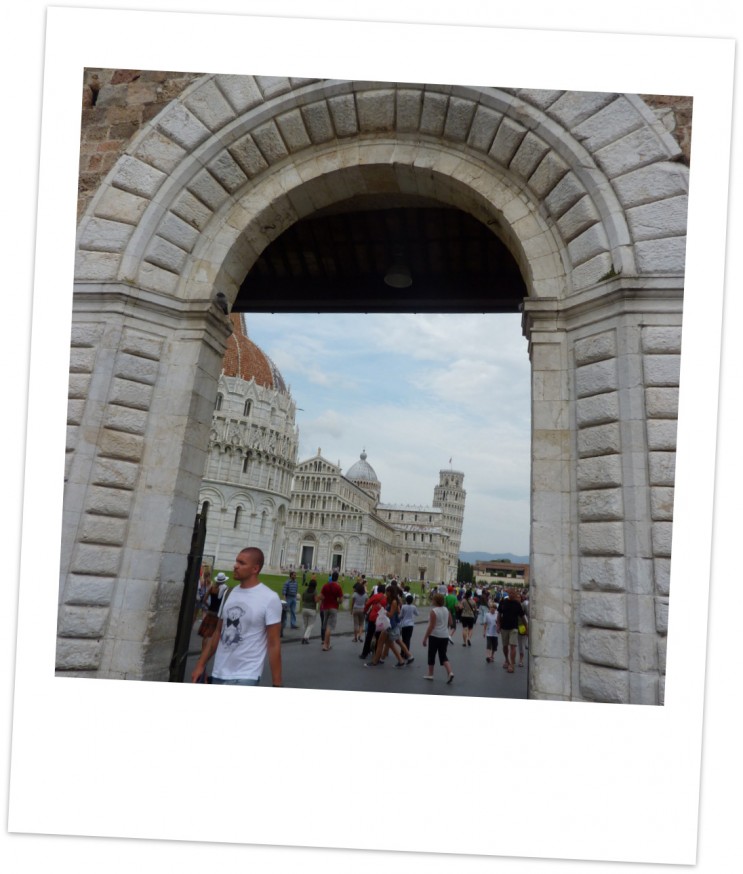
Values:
[(115, 105), (675, 113)]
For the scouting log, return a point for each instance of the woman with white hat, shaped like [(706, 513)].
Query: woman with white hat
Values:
[(212, 600)]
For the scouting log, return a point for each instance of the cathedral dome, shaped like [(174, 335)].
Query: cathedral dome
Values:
[(362, 471), (246, 360)]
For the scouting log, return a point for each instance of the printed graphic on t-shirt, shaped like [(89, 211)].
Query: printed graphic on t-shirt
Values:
[(231, 633)]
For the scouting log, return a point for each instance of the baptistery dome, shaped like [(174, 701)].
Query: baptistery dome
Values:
[(248, 361)]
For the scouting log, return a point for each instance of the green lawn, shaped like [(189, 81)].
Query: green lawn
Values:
[(276, 582)]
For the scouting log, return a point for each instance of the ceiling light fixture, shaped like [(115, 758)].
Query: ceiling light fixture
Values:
[(398, 273)]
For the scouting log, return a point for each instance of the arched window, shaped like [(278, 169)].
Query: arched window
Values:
[(238, 514), (247, 408), (220, 398), (246, 464)]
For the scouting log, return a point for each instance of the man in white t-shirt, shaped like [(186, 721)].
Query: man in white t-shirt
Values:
[(249, 629)]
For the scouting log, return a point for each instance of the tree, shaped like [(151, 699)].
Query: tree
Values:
[(464, 572)]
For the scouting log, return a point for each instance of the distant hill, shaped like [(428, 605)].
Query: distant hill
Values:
[(472, 557)]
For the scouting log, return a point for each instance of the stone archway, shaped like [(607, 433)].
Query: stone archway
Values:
[(586, 191)]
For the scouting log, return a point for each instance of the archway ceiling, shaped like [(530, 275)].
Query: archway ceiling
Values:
[(335, 261)]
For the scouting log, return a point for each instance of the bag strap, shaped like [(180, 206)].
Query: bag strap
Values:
[(224, 600)]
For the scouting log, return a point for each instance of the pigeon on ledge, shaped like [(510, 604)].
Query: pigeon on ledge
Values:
[(221, 301)]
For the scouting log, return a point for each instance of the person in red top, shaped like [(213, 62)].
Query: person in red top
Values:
[(372, 607), (331, 596)]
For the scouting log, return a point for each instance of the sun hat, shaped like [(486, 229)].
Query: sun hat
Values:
[(220, 578)]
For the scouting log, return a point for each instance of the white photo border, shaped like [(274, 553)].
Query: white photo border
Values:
[(576, 762)]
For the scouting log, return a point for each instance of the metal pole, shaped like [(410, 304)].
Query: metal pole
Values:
[(188, 600)]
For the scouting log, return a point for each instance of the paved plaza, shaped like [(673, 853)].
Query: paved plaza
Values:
[(341, 669)]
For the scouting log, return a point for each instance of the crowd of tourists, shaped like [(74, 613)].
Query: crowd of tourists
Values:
[(387, 617), (383, 617)]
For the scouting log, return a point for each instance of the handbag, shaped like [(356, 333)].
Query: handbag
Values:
[(208, 625), (383, 621), (522, 628)]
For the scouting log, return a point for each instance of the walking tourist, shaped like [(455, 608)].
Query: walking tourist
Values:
[(248, 629), (289, 591), (523, 639), (375, 603), (358, 603), (510, 612), (451, 603), (389, 637), (436, 637), (482, 604), (331, 598), (490, 633), (205, 583), (212, 601), (407, 620), (310, 600), (467, 616)]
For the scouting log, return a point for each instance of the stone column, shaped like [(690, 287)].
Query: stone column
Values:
[(142, 391), (605, 397), (553, 563)]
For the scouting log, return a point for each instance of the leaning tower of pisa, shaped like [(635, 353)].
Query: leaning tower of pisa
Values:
[(449, 495)]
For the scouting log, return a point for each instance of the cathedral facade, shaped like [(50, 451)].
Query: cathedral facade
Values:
[(338, 521), (309, 514)]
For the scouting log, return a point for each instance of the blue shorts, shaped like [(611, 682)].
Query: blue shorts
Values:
[(219, 682)]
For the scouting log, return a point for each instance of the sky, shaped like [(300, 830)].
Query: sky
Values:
[(415, 391)]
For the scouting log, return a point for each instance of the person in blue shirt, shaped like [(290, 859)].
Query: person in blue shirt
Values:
[(289, 593)]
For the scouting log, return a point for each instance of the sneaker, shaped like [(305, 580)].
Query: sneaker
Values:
[(410, 660), (451, 677), (370, 665), (400, 665), (426, 677)]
